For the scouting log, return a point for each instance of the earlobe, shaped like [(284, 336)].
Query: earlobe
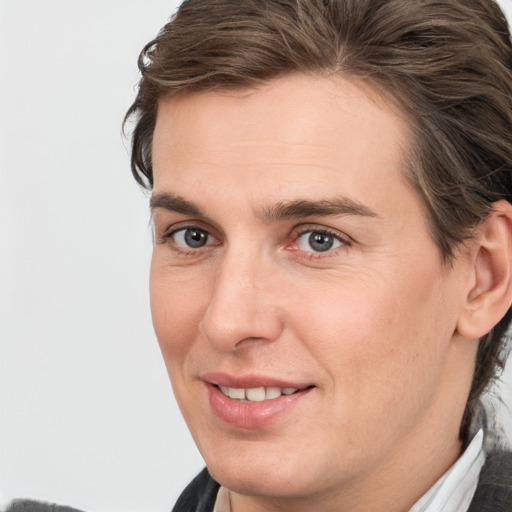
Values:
[(491, 293)]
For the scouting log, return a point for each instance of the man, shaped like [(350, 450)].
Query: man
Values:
[(331, 277)]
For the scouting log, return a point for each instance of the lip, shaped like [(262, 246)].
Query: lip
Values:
[(250, 381), (251, 415)]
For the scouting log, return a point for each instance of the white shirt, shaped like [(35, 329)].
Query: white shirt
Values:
[(453, 492)]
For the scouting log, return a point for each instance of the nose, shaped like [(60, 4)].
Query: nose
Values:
[(242, 305)]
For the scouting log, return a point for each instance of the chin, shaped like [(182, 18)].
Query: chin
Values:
[(253, 482), (256, 475)]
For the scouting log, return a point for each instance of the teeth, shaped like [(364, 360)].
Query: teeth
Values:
[(238, 394), (272, 393), (256, 394)]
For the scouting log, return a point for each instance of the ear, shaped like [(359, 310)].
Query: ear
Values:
[(490, 295)]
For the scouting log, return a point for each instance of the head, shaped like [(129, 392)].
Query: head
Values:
[(445, 65), (441, 69)]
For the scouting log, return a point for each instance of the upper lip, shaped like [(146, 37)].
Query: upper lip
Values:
[(250, 381)]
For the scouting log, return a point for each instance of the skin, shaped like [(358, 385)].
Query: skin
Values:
[(372, 323)]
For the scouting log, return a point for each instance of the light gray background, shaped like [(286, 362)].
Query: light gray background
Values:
[(87, 416)]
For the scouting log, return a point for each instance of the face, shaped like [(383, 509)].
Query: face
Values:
[(304, 313)]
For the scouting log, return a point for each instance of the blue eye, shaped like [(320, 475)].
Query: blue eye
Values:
[(192, 238), (317, 241)]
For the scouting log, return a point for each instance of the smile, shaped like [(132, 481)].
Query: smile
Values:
[(258, 394), (253, 401)]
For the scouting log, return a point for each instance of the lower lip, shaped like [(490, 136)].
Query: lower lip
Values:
[(252, 414)]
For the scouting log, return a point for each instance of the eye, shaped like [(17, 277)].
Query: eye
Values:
[(318, 241), (191, 238)]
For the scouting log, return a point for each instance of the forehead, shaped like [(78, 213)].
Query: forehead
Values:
[(295, 137), (299, 103)]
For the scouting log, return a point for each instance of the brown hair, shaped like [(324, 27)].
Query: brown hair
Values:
[(445, 63)]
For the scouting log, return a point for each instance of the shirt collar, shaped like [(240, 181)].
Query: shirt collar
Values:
[(454, 491), (223, 502)]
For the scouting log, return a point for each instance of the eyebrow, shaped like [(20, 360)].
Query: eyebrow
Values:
[(305, 208), (283, 210), (174, 203)]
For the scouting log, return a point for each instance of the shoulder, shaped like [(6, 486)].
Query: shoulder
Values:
[(37, 506), (494, 491), (199, 495)]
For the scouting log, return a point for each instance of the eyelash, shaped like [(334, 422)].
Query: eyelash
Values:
[(343, 240)]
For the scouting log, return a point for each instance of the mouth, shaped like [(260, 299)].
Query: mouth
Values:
[(252, 401)]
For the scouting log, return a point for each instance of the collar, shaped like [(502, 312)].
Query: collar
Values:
[(454, 491), (223, 502)]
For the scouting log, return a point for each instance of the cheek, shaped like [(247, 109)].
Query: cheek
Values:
[(378, 340), (176, 310), (352, 337)]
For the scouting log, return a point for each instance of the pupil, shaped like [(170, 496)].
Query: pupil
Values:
[(195, 238), (320, 241)]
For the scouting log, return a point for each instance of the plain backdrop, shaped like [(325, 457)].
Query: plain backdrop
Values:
[(87, 417)]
